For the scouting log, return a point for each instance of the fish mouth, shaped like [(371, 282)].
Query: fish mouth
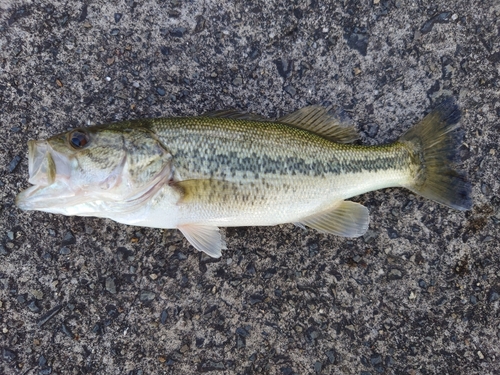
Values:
[(49, 173), (57, 189)]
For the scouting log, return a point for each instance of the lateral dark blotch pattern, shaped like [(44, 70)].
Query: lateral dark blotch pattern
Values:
[(223, 165)]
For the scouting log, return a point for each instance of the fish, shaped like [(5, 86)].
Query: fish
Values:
[(229, 168)]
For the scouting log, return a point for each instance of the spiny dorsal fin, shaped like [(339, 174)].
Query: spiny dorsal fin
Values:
[(235, 114), (347, 219), (317, 120)]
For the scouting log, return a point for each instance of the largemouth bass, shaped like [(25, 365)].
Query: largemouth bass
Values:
[(229, 168)]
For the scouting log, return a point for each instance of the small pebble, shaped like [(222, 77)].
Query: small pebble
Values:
[(394, 274), (38, 294), (375, 359), (240, 342), (238, 81), (330, 354), (178, 32), (493, 296), (241, 331), (163, 317), (488, 239), (318, 366), (164, 50), (372, 130), (369, 236), (42, 361), (8, 355), (289, 89), (67, 331), (34, 307), (485, 189), (118, 17), (68, 239), (270, 272), (255, 298), (161, 91), (147, 296), (64, 251), (14, 163), (110, 285), (392, 233)]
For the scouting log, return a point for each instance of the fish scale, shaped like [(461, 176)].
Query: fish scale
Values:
[(306, 159)]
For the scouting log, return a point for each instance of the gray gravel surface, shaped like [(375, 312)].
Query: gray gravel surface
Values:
[(419, 294)]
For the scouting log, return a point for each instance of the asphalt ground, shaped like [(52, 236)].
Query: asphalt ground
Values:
[(419, 294)]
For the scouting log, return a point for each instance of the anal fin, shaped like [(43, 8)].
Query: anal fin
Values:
[(206, 238), (347, 219)]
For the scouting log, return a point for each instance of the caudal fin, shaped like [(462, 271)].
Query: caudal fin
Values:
[(434, 146)]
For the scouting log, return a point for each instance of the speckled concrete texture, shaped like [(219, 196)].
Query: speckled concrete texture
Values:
[(419, 294)]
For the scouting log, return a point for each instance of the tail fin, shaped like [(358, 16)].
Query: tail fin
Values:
[(434, 148)]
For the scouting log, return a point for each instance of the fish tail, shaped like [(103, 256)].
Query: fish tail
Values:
[(434, 154)]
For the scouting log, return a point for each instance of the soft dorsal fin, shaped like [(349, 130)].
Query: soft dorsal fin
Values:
[(347, 219), (235, 114), (317, 120)]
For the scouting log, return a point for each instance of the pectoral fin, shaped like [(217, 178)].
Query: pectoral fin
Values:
[(348, 219), (208, 191), (200, 190), (206, 238)]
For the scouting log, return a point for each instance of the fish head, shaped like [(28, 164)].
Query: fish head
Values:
[(91, 171)]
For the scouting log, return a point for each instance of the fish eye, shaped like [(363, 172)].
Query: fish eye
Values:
[(78, 139)]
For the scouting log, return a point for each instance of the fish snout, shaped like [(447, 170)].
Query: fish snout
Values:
[(41, 165)]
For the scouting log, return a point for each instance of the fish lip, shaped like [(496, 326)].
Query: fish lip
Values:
[(48, 170), (39, 164), (27, 200)]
